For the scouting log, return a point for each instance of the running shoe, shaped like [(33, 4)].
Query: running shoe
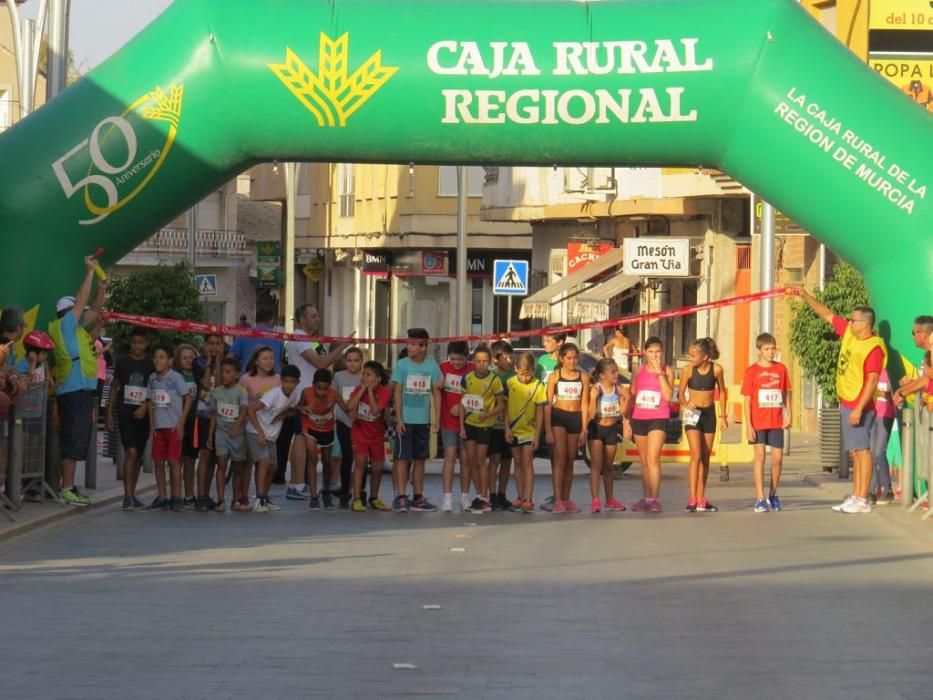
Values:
[(571, 506), (839, 506), (499, 503), (343, 501), (596, 506), (158, 503), (377, 504), (641, 506), (691, 506), (528, 507), (857, 506), (177, 505), (128, 503), (762, 506), (705, 506), (883, 497), (400, 504), (137, 504), (559, 508), (548, 503), (423, 505), (190, 503), (293, 493), (220, 506), (358, 506), (655, 506), (613, 505), (775, 502), (516, 506), (314, 503), (327, 500), (73, 497), (480, 505), (272, 505), (464, 502), (447, 503), (201, 505), (260, 506)]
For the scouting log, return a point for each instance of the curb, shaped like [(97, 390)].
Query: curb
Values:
[(65, 513)]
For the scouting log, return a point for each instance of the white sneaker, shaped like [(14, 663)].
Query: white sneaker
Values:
[(273, 507), (260, 507), (465, 502), (857, 505), (838, 508), (447, 503)]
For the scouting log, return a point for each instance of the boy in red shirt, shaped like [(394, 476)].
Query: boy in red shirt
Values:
[(317, 424), (367, 407), (456, 366), (767, 413)]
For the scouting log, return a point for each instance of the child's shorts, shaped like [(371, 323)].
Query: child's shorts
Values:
[(226, 446), (770, 438), (259, 452), (374, 451), (415, 443), (322, 439), (166, 446), (498, 445)]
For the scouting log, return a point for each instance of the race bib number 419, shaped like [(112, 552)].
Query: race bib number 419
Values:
[(109, 168)]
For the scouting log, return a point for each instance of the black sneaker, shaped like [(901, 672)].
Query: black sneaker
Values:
[(177, 505), (423, 505), (400, 504), (344, 502), (158, 504), (190, 502), (480, 505), (327, 500), (128, 503), (201, 505), (499, 503), (137, 504)]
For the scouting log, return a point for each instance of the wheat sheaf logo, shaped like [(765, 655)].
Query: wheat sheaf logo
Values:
[(332, 95)]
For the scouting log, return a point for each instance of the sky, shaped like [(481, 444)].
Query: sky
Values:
[(100, 27)]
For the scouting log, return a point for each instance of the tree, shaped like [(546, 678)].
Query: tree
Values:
[(165, 291), (813, 340)]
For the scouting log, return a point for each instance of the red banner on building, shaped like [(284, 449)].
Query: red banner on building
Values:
[(582, 253)]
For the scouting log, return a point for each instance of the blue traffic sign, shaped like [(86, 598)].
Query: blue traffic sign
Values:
[(206, 284), (510, 277)]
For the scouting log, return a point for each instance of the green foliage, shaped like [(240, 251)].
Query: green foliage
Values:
[(165, 291), (812, 340)]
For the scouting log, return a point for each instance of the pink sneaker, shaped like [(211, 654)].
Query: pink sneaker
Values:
[(614, 505), (654, 506), (596, 506), (571, 507), (560, 507), (642, 505)]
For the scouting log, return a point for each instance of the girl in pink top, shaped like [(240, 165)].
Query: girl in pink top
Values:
[(650, 409), (259, 377), (885, 414)]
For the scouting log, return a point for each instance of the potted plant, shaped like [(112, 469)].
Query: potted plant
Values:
[(817, 348)]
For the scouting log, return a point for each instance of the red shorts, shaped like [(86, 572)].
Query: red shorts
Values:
[(374, 450), (166, 446)]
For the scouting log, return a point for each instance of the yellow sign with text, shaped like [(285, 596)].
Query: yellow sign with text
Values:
[(900, 14)]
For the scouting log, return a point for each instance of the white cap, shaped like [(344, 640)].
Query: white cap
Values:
[(64, 304)]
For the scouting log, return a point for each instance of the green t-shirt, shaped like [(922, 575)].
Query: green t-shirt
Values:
[(546, 364)]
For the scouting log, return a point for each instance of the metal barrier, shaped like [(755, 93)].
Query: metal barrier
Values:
[(27, 443), (917, 453)]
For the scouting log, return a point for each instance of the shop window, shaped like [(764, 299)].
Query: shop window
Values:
[(346, 188)]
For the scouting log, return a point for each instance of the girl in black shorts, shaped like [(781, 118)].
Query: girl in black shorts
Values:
[(702, 376), (608, 401), (564, 417)]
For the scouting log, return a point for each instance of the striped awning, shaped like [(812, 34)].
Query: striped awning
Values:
[(538, 305), (593, 304)]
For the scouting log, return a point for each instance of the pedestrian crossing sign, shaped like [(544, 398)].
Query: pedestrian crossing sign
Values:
[(510, 277), (206, 284)]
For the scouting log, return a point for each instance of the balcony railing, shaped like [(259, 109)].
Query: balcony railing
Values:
[(175, 241)]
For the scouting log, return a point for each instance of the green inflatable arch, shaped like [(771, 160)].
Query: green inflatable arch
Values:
[(210, 88)]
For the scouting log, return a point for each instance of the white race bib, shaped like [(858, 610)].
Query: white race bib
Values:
[(321, 418), (609, 409), (770, 398), (228, 411), (882, 386), (134, 395), (691, 416), (418, 384), (569, 391), (473, 403), (648, 399), (452, 383), (364, 412), (346, 392), (161, 398)]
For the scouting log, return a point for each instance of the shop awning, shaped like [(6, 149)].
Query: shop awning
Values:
[(593, 304), (538, 305)]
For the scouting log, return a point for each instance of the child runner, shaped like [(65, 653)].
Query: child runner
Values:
[(369, 403), (526, 397), (766, 411), (451, 386), (698, 383), (206, 370), (265, 423), (168, 403), (345, 381), (183, 363), (500, 452), (652, 389), (546, 364), (620, 349), (564, 417), (414, 379), (316, 407), (260, 378), (128, 393), (482, 401), (608, 402), (226, 433)]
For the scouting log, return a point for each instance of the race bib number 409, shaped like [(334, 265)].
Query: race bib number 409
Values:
[(109, 168)]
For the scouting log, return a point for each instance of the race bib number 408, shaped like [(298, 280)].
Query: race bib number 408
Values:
[(121, 155)]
